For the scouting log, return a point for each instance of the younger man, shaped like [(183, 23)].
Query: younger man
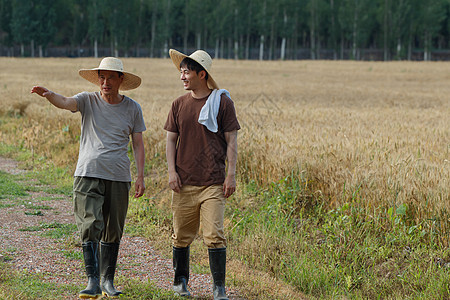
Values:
[(201, 135)]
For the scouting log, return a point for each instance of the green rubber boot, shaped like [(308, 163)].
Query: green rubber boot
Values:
[(108, 261), (90, 254)]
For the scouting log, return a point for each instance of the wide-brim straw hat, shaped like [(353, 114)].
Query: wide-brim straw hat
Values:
[(130, 80), (200, 56)]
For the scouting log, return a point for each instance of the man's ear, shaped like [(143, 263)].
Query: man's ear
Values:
[(202, 74)]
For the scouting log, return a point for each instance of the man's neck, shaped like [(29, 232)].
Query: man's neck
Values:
[(112, 99), (200, 93)]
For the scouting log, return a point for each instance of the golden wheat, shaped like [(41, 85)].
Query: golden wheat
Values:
[(373, 132)]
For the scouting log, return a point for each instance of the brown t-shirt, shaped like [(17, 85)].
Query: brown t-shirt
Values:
[(201, 154)]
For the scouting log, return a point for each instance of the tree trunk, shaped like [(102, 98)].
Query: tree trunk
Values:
[(247, 46), (295, 37), (283, 41), (355, 28), (247, 39), (166, 48), (261, 47), (410, 46), (116, 48), (333, 30), (199, 40), (32, 47), (272, 39), (186, 29), (216, 51), (313, 30), (427, 46), (235, 34), (385, 25), (41, 53), (96, 48), (261, 41), (153, 33), (399, 48)]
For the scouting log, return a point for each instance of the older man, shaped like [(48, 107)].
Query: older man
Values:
[(102, 177)]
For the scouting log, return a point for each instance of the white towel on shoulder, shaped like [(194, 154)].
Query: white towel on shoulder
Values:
[(208, 114)]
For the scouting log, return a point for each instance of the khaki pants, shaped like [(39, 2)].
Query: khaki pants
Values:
[(100, 208), (196, 205)]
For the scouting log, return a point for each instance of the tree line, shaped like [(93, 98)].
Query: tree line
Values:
[(238, 29)]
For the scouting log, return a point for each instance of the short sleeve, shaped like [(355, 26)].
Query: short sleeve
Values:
[(228, 119), (139, 125), (81, 99), (171, 122)]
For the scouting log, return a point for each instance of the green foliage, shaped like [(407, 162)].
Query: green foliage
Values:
[(396, 26)]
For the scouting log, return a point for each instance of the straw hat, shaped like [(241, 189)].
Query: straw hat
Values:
[(200, 56), (130, 81)]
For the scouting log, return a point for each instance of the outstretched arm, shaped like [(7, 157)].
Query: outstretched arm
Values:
[(229, 186), (139, 156), (56, 99)]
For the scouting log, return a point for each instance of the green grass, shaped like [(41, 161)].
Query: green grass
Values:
[(52, 230), (25, 285), (73, 254), (9, 187)]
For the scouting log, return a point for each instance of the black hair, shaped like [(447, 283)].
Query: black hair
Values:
[(120, 73), (192, 65)]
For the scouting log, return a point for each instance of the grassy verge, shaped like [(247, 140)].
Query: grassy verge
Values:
[(341, 252), (25, 285), (17, 285), (291, 243)]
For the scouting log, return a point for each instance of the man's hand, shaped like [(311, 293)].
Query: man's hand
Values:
[(139, 187), (175, 182), (40, 90), (229, 186)]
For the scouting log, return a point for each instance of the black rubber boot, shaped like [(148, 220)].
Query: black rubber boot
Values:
[(90, 254), (181, 268), (108, 261), (217, 264)]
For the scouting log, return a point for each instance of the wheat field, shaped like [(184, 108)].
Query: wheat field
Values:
[(372, 133)]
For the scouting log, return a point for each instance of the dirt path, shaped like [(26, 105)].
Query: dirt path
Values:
[(23, 225)]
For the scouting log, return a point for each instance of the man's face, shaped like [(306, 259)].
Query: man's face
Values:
[(191, 80), (109, 81)]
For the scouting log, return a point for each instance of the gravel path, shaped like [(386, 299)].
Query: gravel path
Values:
[(60, 262)]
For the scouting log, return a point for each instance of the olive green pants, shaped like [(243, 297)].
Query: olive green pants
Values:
[(195, 206), (100, 208)]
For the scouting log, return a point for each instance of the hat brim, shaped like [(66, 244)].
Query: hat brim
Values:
[(130, 80), (177, 57)]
